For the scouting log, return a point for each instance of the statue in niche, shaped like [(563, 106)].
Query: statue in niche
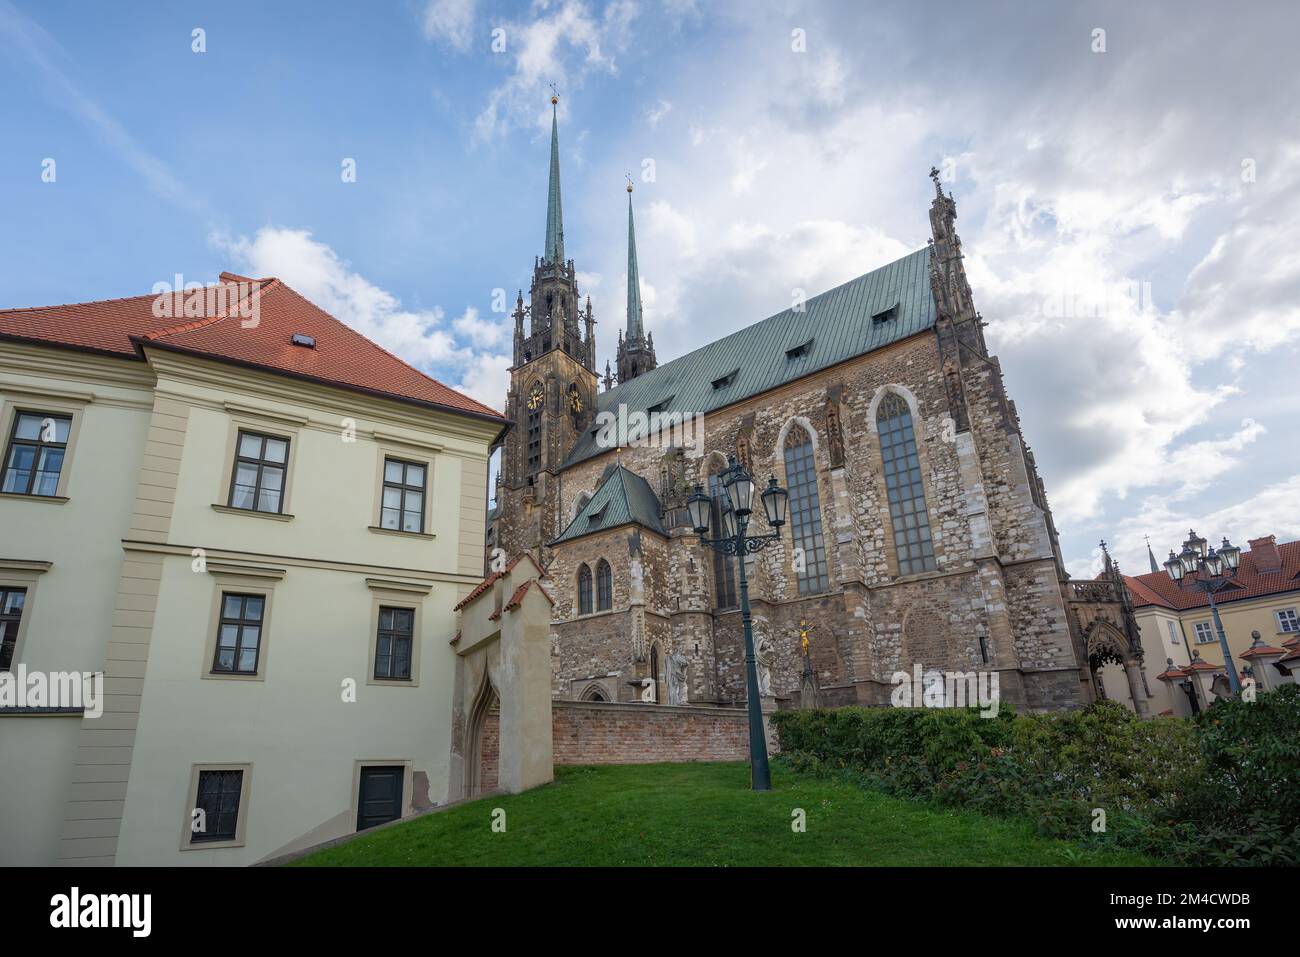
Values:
[(742, 453), (834, 435)]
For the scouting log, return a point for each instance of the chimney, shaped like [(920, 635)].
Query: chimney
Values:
[(1265, 555)]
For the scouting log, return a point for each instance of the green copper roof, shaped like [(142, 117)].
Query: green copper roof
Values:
[(554, 216), (633, 277), (623, 498), (867, 313)]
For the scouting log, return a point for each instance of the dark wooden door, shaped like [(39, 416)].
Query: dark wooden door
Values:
[(380, 797)]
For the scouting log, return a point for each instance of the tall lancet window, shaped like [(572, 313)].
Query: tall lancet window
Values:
[(907, 511), (536, 398), (805, 512), (724, 567)]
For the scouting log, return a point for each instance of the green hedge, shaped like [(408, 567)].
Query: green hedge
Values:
[(1223, 789)]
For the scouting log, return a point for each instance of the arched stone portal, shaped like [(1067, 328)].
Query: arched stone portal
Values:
[(1107, 645), (501, 720), (485, 741)]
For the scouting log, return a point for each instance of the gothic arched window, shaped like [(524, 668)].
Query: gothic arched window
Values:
[(536, 399), (604, 586), (907, 511), (584, 589), (805, 511), (724, 568)]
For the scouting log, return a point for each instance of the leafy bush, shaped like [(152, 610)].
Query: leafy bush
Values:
[(1224, 789)]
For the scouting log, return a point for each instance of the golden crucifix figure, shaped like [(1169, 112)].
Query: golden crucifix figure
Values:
[(805, 630)]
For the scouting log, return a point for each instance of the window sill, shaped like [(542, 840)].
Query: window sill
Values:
[(392, 682), (594, 614), (47, 499), (233, 676), (231, 510), (211, 845), (380, 530)]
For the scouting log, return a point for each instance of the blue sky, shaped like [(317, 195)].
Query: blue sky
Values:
[(775, 147)]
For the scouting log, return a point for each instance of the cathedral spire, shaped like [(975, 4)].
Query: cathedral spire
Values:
[(633, 276), (554, 250), (636, 350), (1151, 556)]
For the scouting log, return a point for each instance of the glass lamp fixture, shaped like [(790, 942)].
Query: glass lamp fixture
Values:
[(699, 506), (740, 489), (775, 502)]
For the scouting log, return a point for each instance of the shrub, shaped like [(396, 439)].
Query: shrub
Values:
[(1224, 789)]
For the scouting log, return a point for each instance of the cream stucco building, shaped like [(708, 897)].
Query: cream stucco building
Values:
[(255, 524), (1176, 624)]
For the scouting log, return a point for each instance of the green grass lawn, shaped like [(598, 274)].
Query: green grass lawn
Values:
[(704, 815)]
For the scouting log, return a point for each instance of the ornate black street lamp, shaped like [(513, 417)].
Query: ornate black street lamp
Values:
[(1210, 571), (739, 487)]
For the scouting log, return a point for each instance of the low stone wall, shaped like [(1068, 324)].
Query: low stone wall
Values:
[(595, 732)]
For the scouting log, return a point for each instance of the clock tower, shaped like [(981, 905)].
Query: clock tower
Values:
[(552, 395)]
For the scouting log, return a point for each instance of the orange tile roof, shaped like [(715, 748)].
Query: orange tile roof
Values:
[(517, 598), (486, 583), (1156, 588), (341, 356)]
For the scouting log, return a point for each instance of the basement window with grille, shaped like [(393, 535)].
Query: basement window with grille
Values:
[(304, 340)]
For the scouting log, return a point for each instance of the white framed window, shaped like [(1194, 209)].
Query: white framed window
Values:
[(1204, 633), (1288, 622), (1173, 633)]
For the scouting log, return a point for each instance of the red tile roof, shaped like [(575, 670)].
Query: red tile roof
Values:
[(1156, 588), (517, 598), (487, 583), (341, 357)]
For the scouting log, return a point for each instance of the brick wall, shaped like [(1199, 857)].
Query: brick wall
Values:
[(618, 733)]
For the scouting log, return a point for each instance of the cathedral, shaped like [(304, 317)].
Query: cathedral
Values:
[(919, 534)]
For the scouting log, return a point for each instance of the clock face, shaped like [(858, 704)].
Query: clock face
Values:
[(535, 398), (575, 402)]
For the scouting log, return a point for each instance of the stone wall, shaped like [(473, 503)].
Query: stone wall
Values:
[(608, 733), (994, 600)]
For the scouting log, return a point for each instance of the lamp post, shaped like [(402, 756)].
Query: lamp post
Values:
[(1208, 570), (733, 540)]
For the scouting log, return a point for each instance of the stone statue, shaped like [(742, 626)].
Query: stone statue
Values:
[(834, 436), (763, 653), (677, 686)]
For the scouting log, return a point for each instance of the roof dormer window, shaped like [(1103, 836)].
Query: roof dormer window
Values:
[(799, 351)]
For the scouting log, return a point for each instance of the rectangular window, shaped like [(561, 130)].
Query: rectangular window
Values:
[(403, 507), (1173, 635), (1204, 633), (984, 649), (218, 798), (11, 616), (239, 634), (393, 643), (34, 459), (1287, 621), (260, 465)]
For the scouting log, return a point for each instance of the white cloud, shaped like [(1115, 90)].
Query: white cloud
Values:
[(450, 22), (313, 269), (560, 46), (657, 112), (483, 333)]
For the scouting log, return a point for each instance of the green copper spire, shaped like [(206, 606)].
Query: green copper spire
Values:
[(554, 217), (633, 277)]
